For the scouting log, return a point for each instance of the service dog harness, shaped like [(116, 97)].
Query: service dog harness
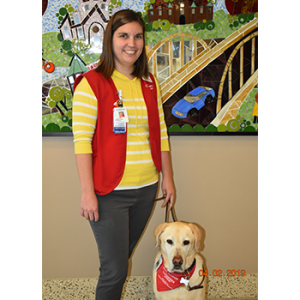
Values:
[(166, 281)]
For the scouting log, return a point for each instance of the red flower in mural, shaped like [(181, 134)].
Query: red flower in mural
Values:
[(236, 7)]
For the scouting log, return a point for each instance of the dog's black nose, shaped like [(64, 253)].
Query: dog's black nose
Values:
[(177, 261)]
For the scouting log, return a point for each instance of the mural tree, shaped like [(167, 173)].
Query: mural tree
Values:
[(114, 6), (76, 46), (57, 99), (67, 9)]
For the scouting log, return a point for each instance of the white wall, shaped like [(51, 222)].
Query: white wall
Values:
[(216, 185)]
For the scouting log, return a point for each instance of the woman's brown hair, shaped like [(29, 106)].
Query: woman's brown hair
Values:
[(107, 64)]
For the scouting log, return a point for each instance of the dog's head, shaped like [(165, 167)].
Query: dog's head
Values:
[(179, 241)]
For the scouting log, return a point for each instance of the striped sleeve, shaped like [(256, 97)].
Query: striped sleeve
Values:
[(163, 128), (84, 117)]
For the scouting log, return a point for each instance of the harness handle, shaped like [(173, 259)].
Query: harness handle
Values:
[(167, 212)]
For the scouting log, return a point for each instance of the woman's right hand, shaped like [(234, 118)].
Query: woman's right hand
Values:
[(89, 206)]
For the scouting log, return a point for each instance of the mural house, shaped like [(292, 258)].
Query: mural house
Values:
[(87, 22), (180, 12)]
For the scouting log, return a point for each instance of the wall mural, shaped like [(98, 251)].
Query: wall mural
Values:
[(204, 54)]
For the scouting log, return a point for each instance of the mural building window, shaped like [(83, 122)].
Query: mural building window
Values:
[(97, 41), (86, 8), (80, 33), (176, 47), (66, 32), (71, 79), (182, 8), (76, 18)]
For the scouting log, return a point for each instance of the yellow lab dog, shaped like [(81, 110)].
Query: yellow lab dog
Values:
[(178, 269)]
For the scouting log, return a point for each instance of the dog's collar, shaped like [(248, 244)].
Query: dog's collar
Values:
[(188, 276), (187, 273), (166, 280)]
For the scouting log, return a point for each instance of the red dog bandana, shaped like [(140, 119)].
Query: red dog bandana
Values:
[(166, 281)]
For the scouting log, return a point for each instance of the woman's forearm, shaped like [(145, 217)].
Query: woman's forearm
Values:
[(89, 202), (85, 172), (166, 166)]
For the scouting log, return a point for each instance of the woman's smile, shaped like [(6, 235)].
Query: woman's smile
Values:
[(130, 51)]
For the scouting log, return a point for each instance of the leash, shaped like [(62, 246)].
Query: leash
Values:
[(167, 211), (199, 286)]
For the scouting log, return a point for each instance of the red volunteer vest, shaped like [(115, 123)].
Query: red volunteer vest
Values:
[(109, 149)]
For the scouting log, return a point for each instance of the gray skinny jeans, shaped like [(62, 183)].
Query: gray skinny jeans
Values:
[(123, 216)]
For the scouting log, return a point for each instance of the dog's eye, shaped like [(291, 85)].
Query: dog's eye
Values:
[(186, 243), (170, 242)]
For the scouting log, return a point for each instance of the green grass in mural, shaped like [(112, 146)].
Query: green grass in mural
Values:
[(63, 123), (57, 118), (51, 46), (246, 109), (52, 51)]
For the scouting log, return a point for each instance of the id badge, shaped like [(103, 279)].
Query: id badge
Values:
[(120, 119)]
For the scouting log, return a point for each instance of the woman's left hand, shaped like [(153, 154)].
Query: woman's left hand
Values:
[(168, 191), (167, 185)]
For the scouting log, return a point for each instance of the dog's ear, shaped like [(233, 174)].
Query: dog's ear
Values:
[(158, 231), (197, 233)]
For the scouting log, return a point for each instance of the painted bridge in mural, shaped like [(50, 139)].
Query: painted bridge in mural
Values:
[(175, 62)]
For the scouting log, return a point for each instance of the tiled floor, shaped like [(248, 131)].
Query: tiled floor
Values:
[(140, 288)]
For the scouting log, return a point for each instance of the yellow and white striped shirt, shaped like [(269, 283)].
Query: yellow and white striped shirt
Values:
[(139, 170)]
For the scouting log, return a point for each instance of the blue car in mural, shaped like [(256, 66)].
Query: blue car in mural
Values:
[(193, 102)]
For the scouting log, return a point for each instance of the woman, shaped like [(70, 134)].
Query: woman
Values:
[(119, 162)]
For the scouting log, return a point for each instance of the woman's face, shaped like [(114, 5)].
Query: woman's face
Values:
[(128, 44)]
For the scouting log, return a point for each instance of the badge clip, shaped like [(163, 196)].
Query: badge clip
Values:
[(120, 101)]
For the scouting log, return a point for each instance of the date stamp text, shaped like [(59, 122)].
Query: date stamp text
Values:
[(219, 273)]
